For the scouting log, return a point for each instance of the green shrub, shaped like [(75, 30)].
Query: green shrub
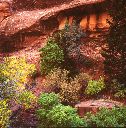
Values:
[(118, 89), (5, 114), (65, 116), (13, 75), (26, 99), (51, 56), (108, 118), (48, 100), (53, 114), (120, 93), (69, 37), (94, 86)]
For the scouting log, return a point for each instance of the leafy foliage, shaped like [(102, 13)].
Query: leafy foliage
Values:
[(115, 52), (54, 114), (94, 86), (13, 75), (51, 56), (58, 115), (55, 78), (69, 89), (118, 89), (69, 36), (69, 39), (47, 101), (27, 99), (7, 90), (65, 116), (5, 114), (107, 118)]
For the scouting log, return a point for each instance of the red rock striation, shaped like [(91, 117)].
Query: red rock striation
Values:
[(25, 19)]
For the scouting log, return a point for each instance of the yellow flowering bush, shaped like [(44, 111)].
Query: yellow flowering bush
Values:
[(69, 89), (14, 72), (56, 77), (4, 114)]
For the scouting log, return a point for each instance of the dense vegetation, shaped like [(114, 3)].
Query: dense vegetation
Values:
[(54, 114), (51, 57), (115, 53), (59, 66), (5, 113)]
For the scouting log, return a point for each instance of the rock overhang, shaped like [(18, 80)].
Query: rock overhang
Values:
[(21, 21)]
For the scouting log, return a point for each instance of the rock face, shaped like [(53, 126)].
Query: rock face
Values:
[(4, 10), (24, 27), (94, 105), (90, 22), (37, 4), (24, 32), (25, 19)]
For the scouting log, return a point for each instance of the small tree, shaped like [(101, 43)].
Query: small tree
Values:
[(69, 39), (51, 56)]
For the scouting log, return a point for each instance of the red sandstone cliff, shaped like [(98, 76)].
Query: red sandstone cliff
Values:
[(25, 19), (24, 32)]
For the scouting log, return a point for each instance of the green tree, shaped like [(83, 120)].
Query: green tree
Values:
[(69, 39), (51, 56), (115, 52), (114, 117)]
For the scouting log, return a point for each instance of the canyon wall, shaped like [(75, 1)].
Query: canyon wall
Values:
[(90, 22), (90, 17), (36, 4)]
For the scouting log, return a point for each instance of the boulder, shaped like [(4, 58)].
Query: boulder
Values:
[(94, 105)]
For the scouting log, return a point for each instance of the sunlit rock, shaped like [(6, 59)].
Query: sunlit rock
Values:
[(92, 22), (83, 23), (62, 23), (102, 21), (70, 20)]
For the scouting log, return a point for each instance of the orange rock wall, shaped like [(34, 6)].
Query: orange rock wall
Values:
[(88, 22), (63, 20)]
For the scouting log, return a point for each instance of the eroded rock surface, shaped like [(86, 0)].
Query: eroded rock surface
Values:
[(94, 105), (4, 10), (25, 19)]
